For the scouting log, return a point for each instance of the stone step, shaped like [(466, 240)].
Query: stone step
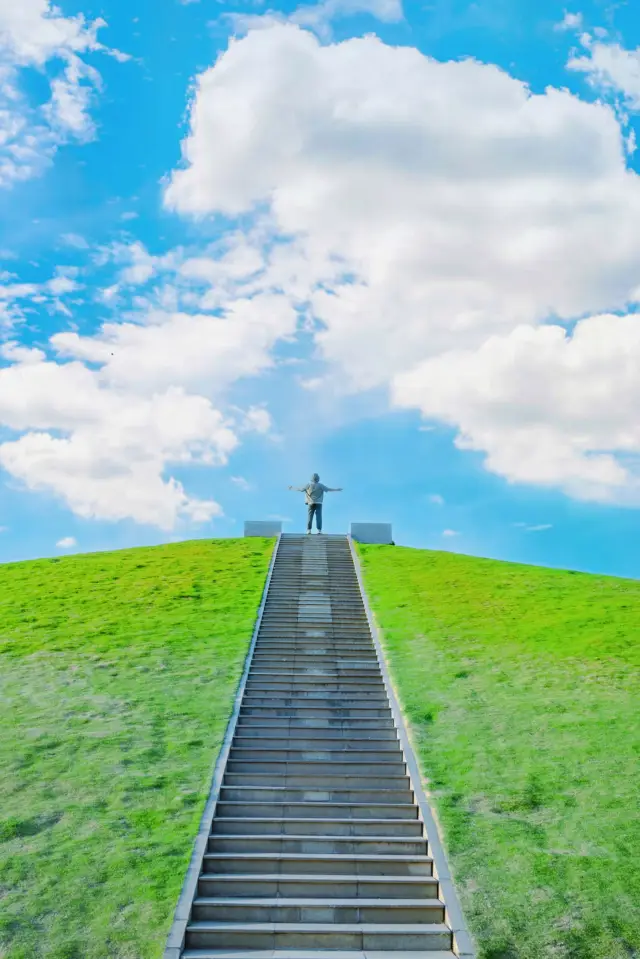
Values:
[(308, 647), (302, 935), (323, 660), (354, 726), (317, 699), (314, 767), (357, 696), (345, 743), (334, 909), (315, 647), (298, 633), (335, 687), (340, 845), (306, 678), (306, 826), (320, 795), (315, 753), (317, 810), (316, 886), (308, 780), (301, 660), (299, 670), (343, 601), (316, 712), (313, 954), (287, 863)]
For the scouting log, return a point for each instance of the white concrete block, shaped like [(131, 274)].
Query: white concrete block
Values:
[(372, 533), (254, 527)]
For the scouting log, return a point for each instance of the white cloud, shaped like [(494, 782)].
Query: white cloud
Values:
[(257, 419), (241, 483), (425, 211), (570, 21), (67, 542), (610, 67), (75, 240), (34, 34), (547, 407), (533, 529), (450, 532), (103, 423), (21, 354), (437, 499), (191, 350), (319, 16), (110, 461), (63, 282), (16, 297)]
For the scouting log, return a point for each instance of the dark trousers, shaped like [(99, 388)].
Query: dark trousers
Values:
[(317, 509)]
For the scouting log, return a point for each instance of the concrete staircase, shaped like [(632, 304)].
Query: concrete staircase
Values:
[(317, 849)]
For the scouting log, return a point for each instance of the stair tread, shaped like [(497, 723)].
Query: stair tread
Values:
[(276, 786), (286, 902), (328, 838), (303, 819), (315, 856), (313, 954), (323, 805), (311, 927), (323, 762), (314, 877)]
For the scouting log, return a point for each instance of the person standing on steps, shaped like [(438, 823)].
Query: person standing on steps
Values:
[(314, 494)]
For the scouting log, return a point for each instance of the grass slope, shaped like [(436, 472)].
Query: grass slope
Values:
[(117, 676), (520, 687)]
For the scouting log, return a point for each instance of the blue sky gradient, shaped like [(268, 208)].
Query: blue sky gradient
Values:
[(98, 191)]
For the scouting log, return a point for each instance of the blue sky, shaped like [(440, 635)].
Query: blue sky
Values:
[(395, 244)]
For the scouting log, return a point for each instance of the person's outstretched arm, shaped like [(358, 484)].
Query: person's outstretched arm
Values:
[(298, 489), (338, 489)]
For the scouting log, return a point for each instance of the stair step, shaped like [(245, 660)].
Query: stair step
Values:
[(286, 863), (329, 910), (317, 712), (319, 722), (305, 826), (311, 954), (315, 697), (316, 886), (341, 845), (318, 810), (331, 743), (394, 937), (314, 794), (285, 687), (321, 674), (316, 754), (320, 780), (314, 768)]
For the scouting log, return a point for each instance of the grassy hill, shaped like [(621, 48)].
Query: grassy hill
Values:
[(521, 688), (117, 675)]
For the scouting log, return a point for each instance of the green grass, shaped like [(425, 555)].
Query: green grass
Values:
[(520, 687), (117, 676)]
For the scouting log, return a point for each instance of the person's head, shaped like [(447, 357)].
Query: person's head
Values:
[(315, 477)]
